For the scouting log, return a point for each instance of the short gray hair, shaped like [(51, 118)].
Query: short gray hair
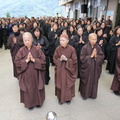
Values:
[(92, 34), (27, 34)]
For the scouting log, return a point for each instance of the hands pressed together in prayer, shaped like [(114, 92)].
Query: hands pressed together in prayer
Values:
[(63, 58), (81, 41), (101, 42), (94, 53), (105, 35), (30, 58), (15, 40), (118, 43), (3, 26), (72, 37), (56, 36), (39, 46)]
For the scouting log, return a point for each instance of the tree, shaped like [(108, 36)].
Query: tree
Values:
[(8, 15)]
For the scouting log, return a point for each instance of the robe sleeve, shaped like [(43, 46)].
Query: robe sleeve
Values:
[(72, 69), (20, 63), (21, 66), (85, 63), (100, 56), (118, 56), (118, 64), (20, 41), (71, 62), (10, 43), (40, 61), (56, 58), (40, 65), (99, 61), (84, 58)]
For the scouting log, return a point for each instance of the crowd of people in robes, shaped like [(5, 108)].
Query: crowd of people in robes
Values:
[(76, 48)]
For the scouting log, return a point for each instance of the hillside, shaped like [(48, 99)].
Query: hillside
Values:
[(29, 8)]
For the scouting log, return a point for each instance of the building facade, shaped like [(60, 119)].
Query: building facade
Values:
[(92, 8)]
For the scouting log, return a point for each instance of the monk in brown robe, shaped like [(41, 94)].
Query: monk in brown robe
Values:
[(65, 60), (116, 80), (30, 63), (91, 59), (15, 42)]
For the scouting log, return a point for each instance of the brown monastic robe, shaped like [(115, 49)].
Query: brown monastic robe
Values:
[(116, 80), (90, 71), (31, 76), (14, 49), (65, 73)]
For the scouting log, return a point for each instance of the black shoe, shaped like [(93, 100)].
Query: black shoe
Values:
[(84, 98), (116, 92), (53, 64), (93, 97), (38, 106), (31, 108), (68, 102), (59, 102), (46, 83), (5, 48)]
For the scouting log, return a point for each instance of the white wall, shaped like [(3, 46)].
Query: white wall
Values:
[(112, 6), (102, 8)]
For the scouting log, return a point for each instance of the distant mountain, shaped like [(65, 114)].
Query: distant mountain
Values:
[(29, 8)]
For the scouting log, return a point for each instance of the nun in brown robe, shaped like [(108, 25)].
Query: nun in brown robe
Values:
[(116, 80), (15, 42), (65, 60), (91, 59), (30, 63)]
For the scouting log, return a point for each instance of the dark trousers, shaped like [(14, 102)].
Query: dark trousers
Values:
[(5, 41), (47, 77), (1, 41)]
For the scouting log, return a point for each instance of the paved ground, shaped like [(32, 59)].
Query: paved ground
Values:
[(105, 107)]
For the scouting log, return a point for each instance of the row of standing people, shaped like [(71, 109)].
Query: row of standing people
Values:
[(30, 62), (46, 46), (106, 40), (52, 33)]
